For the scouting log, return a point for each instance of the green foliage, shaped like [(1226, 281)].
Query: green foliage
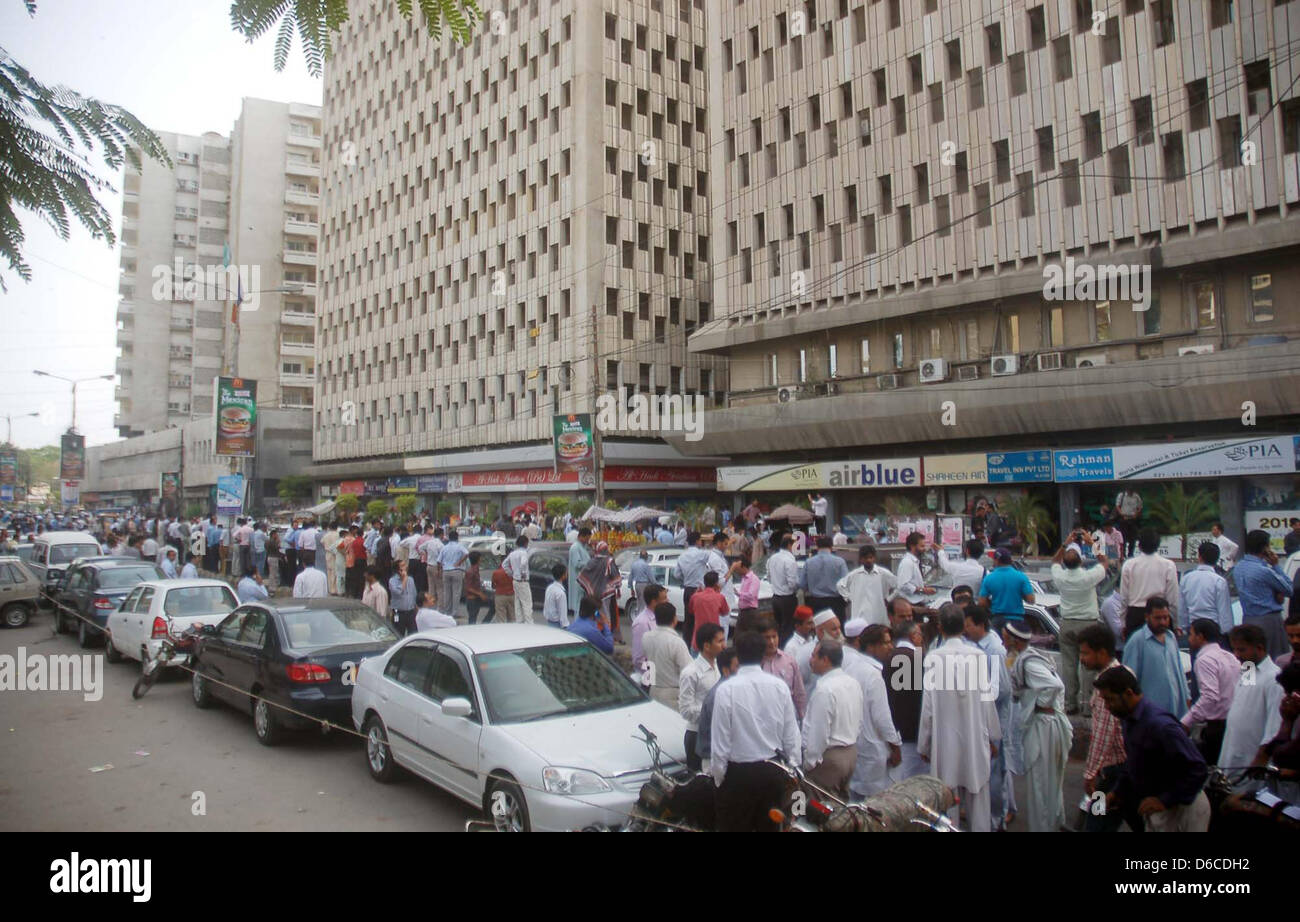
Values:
[(377, 509), (47, 137), (316, 21), (490, 512), (445, 509), (901, 506), (1029, 516), (347, 504), (579, 506), (697, 516), (1178, 512), (295, 486), (194, 509), (406, 507), (613, 505), (557, 505)]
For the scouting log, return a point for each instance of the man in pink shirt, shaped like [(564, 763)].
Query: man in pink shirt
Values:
[(1217, 672), (782, 665), (644, 622), (747, 591)]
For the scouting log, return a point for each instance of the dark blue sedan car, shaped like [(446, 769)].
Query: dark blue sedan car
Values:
[(291, 662)]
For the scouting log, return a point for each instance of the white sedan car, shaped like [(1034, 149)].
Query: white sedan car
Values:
[(158, 607), (533, 725), (495, 544)]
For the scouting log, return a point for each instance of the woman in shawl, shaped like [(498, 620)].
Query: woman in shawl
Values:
[(600, 581)]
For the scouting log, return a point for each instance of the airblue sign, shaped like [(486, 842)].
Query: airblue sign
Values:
[(1079, 464), (1020, 467)]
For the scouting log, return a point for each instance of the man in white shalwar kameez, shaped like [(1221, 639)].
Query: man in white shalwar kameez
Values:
[(959, 729), (879, 743), (1255, 715), (1045, 729)]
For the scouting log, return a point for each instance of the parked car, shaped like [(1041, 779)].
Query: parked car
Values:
[(533, 725), (659, 553), (20, 590), (542, 558), (24, 552), (53, 551), (291, 663), (156, 608), (495, 544), (94, 588)]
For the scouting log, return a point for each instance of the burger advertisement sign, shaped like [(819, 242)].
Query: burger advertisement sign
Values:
[(236, 413), (574, 448)]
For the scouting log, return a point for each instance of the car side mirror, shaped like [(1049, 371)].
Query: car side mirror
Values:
[(209, 629), (457, 707)]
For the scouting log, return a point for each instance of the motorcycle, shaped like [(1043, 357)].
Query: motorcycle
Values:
[(174, 647), (680, 800)]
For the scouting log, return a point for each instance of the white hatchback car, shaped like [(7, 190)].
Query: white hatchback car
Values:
[(531, 724), (158, 607)]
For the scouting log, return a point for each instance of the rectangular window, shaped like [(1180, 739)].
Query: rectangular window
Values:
[(1151, 316), (936, 342), (1057, 327), (865, 349), (1261, 298), (832, 360), (898, 350), (1101, 321), (1172, 156), (1205, 306), (803, 366), (1013, 332), (769, 370)]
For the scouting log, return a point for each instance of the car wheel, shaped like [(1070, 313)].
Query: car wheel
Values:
[(266, 725), (111, 653), (85, 639), (200, 692), (59, 627), (17, 614), (379, 755), (507, 807)]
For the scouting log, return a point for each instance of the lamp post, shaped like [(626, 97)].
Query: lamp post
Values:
[(9, 424), (74, 382)]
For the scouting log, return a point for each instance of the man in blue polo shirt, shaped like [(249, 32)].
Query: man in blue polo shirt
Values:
[(1007, 590)]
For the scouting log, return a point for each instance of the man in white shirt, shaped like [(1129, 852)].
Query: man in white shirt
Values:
[(429, 618), (959, 728), (783, 574), (911, 583), (191, 570), (968, 571), (1228, 549), (838, 538), (804, 637), (820, 504), (555, 605), (666, 656), (879, 745), (868, 589), (1255, 715), (516, 565), (753, 721), (834, 718), (1077, 585), (1147, 576), (311, 583), (700, 675)]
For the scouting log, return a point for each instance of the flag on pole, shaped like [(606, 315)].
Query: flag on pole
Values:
[(239, 299)]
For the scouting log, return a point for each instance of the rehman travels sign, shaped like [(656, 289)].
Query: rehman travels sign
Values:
[(822, 475), (236, 417), (1174, 460)]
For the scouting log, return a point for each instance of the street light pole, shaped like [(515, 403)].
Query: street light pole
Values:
[(74, 382), (9, 424)]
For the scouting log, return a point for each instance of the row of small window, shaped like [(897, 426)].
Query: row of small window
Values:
[(1203, 302), (791, 31), (702, 314)]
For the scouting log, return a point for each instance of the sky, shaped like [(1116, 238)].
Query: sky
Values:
[(177, 65)]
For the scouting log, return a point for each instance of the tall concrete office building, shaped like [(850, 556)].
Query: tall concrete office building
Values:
[(905, 195), (250, 199), (509, 229)]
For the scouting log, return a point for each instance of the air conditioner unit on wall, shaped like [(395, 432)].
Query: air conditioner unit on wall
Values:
[(1004, 365), (1049, 361), (887, 382), (1090, 360), (788, 393), (933, 370), (968, 372), (1195, 350)]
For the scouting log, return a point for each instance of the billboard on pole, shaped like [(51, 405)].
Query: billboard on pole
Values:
[(72, 457), (236, 417)]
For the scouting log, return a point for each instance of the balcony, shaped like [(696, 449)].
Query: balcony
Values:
[(303, 140), (297, 380), (181, 355), (300, 257), (123, 366), (302, 228), (126, 335), (182, 323), (295, 197), (298, 318), (297, 347), (125, 309), (298, 168)]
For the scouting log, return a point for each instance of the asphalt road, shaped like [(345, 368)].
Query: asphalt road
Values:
[(311, 782)]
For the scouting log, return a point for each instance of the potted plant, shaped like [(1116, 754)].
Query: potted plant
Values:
[(1180, 513)]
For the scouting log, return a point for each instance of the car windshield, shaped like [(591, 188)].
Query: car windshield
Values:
[(335, 627), (540, 682), (24, 552), (125, 577), (199, 600), (66, 553)]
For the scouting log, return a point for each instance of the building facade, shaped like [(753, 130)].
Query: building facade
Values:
[(249, 202), (510, 229), (909, 198)]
